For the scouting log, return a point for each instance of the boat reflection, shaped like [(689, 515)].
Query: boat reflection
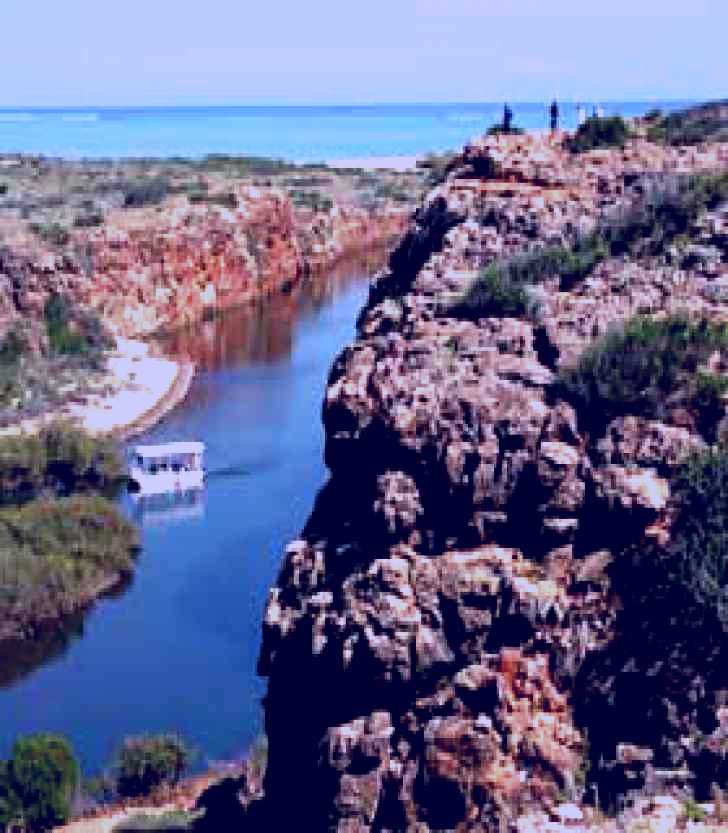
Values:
[(168, 507)]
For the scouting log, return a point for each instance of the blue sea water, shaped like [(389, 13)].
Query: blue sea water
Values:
[(306, 134)]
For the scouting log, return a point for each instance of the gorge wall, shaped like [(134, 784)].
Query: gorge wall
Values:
[(439, 635), (163, 266)]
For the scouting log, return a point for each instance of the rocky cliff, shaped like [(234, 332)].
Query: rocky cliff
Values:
[(162, 266), (444, 646)]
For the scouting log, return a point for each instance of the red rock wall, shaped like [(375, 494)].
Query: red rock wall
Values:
[(161, 267)]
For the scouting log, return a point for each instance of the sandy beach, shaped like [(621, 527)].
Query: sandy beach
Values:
[(138, 390)]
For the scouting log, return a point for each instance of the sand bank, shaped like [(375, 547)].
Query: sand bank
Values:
[(136, 391)]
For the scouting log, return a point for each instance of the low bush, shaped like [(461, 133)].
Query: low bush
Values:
[(141, 192), (53, 233), (13, 348), (147, 761), (252, 165), (493, 293), (59, 459), (313, 200), (89, 219), (53, 549), (597, 132), (651, 367), (74, 332), (667, 209), (501, 130), (697, 554), (502, 288), (38, 783), (436, 167), (708, 122)]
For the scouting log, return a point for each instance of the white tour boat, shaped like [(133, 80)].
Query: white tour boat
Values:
[(168, 467)]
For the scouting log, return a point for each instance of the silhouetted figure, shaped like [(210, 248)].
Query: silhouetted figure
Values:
[(507, 119), (554, 114)]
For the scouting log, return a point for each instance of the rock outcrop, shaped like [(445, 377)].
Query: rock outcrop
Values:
[(161, 267), (428, 631)]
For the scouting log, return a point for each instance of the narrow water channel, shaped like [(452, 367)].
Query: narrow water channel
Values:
[(177, 649)]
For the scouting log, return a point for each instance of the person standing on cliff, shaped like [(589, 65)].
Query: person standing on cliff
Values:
[(507, 119), (554, 116)]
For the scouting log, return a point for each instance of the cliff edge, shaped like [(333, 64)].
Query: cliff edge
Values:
[(446, 645)]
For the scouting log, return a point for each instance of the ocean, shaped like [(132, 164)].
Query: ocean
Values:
[(305, 134)]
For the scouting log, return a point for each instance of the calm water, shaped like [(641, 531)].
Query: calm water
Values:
[(298, 133), (177, 649)]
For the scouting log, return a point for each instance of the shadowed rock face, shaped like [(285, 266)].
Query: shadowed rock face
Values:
[(451, 591)]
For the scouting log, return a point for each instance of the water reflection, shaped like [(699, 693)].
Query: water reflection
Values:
[(20, 658), (166, 509), (263, 332)]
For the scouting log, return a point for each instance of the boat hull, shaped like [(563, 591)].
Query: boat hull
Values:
[(145, 483)]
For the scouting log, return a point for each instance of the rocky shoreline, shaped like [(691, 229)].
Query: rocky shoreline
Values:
[(429, 631)]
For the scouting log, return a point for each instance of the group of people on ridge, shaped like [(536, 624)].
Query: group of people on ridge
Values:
[(554, 115)]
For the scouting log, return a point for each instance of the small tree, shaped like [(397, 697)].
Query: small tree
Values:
[(147, 761), (38, 783)]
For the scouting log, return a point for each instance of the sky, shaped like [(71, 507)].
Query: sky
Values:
[(156, 52)]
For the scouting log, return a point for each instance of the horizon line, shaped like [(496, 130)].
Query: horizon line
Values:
[(453, 103)]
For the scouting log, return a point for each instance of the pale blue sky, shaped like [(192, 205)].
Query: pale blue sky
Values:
[(86, 52)]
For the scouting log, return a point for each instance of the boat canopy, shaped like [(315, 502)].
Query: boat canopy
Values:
[(152, 452)]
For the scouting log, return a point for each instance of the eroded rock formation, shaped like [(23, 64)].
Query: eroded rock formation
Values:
[(429, 629), (160, 267)]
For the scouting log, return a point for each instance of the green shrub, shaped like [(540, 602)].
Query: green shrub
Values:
[(38, 783), (599, 132), (500, 130), (693, 811), (251, 165), (708, 122), (89, 219), (226, 199), (53, 233), (697, 554), (313, 200), (59, 458), (147, 761), (436, 166), (669, 207), (141, 192), (52, 549), (501, 289), (13, 347), (73, 332), (650, 367), (493, 293)]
